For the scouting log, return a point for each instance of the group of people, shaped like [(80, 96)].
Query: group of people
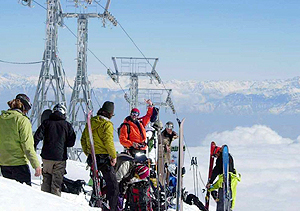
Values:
[(18, 145), (132, 136)]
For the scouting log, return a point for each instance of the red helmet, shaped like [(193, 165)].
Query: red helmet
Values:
[(135, 111), (142, 171), (216, 150)]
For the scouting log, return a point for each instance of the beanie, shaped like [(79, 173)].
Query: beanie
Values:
[(142, 171), (108, 107)]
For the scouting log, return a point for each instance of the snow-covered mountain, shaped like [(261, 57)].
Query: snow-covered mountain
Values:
[(221, 97)]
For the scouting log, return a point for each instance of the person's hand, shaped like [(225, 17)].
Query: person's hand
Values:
[(38, 172), (208, 185), (149, 102), (168, 149), (113, 161), (135, 145)]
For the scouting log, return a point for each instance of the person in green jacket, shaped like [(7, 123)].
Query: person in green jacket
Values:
[(102, 129), (16, 142)]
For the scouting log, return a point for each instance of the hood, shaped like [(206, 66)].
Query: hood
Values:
[(11, 114), (57, 116), (98, 121)]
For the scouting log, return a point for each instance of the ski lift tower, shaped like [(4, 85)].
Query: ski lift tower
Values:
[(80, 102), (50, 88), (135, 68)]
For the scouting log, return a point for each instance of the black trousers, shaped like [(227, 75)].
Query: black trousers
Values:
[(109, 175), (19, 173)]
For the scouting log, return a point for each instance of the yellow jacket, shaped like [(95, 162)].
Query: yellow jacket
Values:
[(16, 140), (102, 129), (235, 178)]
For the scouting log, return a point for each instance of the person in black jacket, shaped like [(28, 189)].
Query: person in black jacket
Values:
[(57, 134), (217, 170)]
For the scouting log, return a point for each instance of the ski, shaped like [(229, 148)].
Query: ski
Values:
[(211, 163), (160, 170), (95, 175), (226, 188), (179, 203)]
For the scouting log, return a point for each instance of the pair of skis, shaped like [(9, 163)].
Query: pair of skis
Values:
[(225, 186), (98, 198)]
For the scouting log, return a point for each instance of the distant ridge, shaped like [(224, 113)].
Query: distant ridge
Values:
[(221, 97)]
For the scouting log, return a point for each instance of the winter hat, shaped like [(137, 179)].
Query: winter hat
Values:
[(108, 107), (216, 150), (135, 110), (25, 101), (142, 171)]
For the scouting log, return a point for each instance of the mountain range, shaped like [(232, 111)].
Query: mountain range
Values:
[(219, 97)]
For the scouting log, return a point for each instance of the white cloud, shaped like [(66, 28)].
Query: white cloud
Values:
[(257, 134)]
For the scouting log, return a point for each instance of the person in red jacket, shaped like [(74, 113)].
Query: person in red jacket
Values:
[(133, 133)]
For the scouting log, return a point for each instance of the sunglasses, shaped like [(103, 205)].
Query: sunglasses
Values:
[(134, 113)]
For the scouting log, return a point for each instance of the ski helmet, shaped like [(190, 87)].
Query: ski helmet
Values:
[(172, 169), (140, 158), (169, 125), (25, 101), (135, 112), (142, 171), (61, 108)]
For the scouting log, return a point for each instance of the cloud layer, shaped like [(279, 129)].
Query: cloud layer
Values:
[(257, 134)]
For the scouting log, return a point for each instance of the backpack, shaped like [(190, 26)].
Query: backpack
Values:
[(154, 116), (71, 186), (128, 129)]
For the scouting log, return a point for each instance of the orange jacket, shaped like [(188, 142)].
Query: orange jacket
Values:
[(135, 134)]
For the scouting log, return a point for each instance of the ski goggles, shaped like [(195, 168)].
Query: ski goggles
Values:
[(134, 113), (170, 126)]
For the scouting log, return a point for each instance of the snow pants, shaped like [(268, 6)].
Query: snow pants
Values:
[(53, 174), (109, 176), (18, 173)]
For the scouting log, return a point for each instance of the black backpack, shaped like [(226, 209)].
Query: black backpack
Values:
[(154, 116), (128, 129)]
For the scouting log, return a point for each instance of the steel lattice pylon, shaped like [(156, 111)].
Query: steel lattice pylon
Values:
[(51, 77), (80, 102), (135, 68), (81, 95)]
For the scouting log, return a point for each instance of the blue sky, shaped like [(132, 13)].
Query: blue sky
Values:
[(193, 39)]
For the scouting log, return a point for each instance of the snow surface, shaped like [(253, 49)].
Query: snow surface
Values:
[(269, 164)]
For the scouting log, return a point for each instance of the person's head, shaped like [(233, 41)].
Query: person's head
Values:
[(216, 151), (169, 127), (60, 108), (107, 109), (21, 102), (142, 171), (135, 113), (140, 157)]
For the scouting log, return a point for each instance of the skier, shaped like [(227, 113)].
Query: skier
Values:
[(132, 175), (102, 129), (16, 142), (57, 134), (218, 171), (167, 136), (132, 131)]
